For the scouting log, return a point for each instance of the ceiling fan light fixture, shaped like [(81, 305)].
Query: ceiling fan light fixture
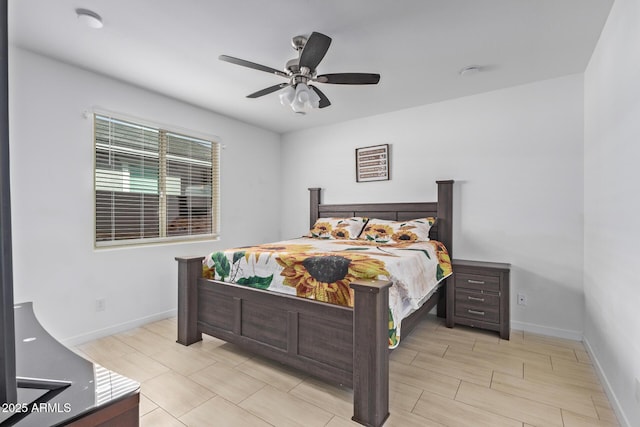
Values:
[(314, 99), (304, 99), (287, 96), (297, 106), (302, 93)]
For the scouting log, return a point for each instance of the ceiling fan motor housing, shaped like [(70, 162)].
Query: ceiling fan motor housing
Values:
[(293, 65)]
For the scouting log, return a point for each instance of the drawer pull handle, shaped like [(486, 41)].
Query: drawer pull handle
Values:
[(479, 313), (475, 299), (477, 282)]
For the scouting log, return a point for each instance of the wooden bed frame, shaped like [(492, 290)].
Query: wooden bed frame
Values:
[(341, 345)]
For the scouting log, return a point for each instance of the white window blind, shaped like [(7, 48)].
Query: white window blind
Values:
[(153, 184)]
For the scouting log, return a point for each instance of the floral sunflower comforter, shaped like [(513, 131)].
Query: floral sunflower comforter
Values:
[(322, 269)]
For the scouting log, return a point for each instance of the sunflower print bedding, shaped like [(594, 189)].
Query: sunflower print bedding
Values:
[(322, 270)]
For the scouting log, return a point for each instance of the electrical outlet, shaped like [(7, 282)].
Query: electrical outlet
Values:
[(101, 304), (637, 390), (522, 299)]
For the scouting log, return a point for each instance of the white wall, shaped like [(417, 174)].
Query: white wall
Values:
[(612, 224), (55, 265), (516, 155)]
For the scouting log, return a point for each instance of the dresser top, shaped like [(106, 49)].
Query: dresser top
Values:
[(480, 264)]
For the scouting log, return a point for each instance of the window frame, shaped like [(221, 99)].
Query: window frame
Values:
[(163, 216)]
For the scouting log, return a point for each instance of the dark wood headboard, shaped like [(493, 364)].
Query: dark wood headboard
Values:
[(441, 209)]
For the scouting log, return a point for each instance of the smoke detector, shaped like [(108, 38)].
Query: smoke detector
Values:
[(470, 70), (89, 18)]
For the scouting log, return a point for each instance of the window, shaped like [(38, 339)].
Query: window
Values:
[(153, 185)]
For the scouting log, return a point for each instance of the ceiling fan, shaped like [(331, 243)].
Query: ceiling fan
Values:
[(298, 92)]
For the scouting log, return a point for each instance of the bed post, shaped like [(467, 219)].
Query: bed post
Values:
[(314, 201), (189, 271), (445, 235), (445, 212), (371, 351)]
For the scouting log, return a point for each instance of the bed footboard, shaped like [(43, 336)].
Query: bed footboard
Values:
[(337, 344)]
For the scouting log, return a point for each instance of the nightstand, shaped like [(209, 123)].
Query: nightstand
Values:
[(478, 296)]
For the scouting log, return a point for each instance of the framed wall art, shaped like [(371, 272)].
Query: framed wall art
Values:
[(372, 163)]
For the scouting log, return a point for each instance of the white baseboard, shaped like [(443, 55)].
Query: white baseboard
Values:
[(615, 404), (546, 330), (100, 333)]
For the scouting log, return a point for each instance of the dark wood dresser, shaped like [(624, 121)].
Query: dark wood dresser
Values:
[(478, 296)]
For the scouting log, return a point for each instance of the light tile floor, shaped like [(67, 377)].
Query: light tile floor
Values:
[(439, 377)]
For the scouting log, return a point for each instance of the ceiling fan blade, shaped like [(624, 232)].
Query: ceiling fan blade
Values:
[(349, 78), (314, 50), (324, 101), (268, 90), (253, 65)]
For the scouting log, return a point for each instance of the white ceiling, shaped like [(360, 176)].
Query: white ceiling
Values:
[(418, 47)]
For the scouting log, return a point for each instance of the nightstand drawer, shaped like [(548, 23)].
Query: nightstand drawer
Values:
[(477, 281), (478, 299), (487, 313)]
